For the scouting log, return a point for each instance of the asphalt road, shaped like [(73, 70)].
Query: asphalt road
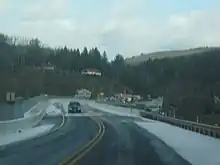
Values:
[(124, 143), (120, 142), (50, 149)]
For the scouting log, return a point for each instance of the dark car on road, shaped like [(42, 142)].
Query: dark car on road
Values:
[(74, 107)]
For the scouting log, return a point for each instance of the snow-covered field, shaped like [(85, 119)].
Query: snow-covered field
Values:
[(116, 110), (25, 134), (196, 148)]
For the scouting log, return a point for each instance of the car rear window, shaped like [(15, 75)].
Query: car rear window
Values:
[(74, 104)]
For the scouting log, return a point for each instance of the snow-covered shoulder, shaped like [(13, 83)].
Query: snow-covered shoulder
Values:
[(25, 134), (53, 111), (196, 148)]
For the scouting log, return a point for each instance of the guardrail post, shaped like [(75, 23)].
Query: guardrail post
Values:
[(210, 130), (210, 133), (217, 135)]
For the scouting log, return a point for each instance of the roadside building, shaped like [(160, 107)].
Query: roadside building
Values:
[(124, 97), (91, 72), (48, 68), (83, 94)]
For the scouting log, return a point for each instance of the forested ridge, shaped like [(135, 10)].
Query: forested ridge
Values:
[(185, 82), (21, 61)]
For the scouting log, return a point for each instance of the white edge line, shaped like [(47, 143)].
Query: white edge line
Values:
[(63, 121)]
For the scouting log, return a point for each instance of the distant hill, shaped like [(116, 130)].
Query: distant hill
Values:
[(135, 60)]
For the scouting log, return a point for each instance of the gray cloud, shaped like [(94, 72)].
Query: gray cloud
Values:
[(123, 31)]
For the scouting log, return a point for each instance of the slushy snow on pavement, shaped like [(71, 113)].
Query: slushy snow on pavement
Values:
[(53, 111), (121, 111), (196, 148), (25, 134)]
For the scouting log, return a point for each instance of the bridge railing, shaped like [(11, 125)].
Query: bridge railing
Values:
[(205, 129)]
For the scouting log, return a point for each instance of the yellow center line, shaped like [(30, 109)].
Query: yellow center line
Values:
[(87, 147)]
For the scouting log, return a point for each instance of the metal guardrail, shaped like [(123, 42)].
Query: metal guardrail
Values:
[(205, 129)]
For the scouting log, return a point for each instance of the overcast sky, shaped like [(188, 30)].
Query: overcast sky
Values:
[(129, 27)]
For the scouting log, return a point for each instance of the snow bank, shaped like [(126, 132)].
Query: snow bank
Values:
[(10, 126), (25, 134), (53, 111), (37, 109), (121, 111), (196, 148)]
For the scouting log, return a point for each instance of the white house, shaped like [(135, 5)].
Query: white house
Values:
[(91, 71), (83, 93), (48, 67)]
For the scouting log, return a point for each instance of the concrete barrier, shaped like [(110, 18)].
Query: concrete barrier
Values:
[(31, 119)]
